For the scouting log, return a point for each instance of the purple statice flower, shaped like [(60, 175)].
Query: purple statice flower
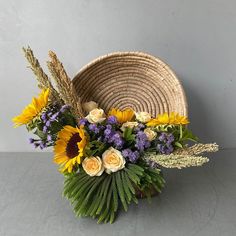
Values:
[(139, 127), (126, 152), (31, 140), (83, 121), (112, 120), (48, 123), (36, 145), (44, 117), (45, 129), (165, 144), (169, 149), (94, 128), (162, 137), (162, 148), (134, 156), (108, 126), (42, 145), (54, 116), (49, 137), (165, 149), (130, 155), (64, 108), (142, 141), (117, 140), (108, 133), (170, 139)]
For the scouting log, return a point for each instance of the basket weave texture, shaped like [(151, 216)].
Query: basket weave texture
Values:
[(131, 79)]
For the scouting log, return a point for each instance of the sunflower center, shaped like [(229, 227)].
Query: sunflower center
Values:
[(72, 149)]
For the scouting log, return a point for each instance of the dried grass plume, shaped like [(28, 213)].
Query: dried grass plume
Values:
[(42, 78), (197, 149), (64, 85)]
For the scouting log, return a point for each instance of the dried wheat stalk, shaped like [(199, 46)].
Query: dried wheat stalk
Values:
[(43, 80), (176, 161), (64, 84), (197, 149)]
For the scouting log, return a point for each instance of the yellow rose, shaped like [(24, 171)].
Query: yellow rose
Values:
[(129, 125), (93, 166), (143, 116), (89, 106), (113, 160), (151, 135), (96, 116)]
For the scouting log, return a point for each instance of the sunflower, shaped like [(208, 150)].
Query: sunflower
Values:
[(69, 147), (122, 116), (33, 109), (169, 119)]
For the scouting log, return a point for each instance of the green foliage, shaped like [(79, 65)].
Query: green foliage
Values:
[(150, 182), (186, 135), (128, 135), (95, 148), (164, 128), (181, 133), (102, 196), (37, 124)]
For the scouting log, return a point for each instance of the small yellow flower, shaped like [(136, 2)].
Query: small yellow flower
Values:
[(172, 119), (122, 116), (69, 147), (33, 109)]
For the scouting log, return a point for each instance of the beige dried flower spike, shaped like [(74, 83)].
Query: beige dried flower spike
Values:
[(198, 149), (183, 158), (64, 85), (42, 78), (177, 161)]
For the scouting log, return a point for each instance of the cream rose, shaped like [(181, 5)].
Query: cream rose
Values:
[(129, 124), (113, 160), (89, 106), (96, 116), (151, 135), (93, 166), (143, 116)]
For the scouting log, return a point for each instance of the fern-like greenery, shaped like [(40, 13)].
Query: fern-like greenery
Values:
[(102, 196)]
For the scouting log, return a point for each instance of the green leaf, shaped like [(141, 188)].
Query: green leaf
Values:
[(115, 194), (136, 169), (188, 135), (106, 182), (100, 197), (92, 189), (121, 190), (130, 186), (178, 144), (128, 194), (40, 134), (180, 132), (127, 134), (133, 176)]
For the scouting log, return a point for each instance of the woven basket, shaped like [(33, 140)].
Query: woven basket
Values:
[(131, 79)]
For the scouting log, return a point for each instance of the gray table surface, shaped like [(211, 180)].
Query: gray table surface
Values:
[(196, 201)]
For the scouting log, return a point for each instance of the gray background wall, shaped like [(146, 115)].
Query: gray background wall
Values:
[(197, 38)]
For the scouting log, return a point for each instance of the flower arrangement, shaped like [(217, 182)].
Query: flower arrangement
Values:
[(108, 160)]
